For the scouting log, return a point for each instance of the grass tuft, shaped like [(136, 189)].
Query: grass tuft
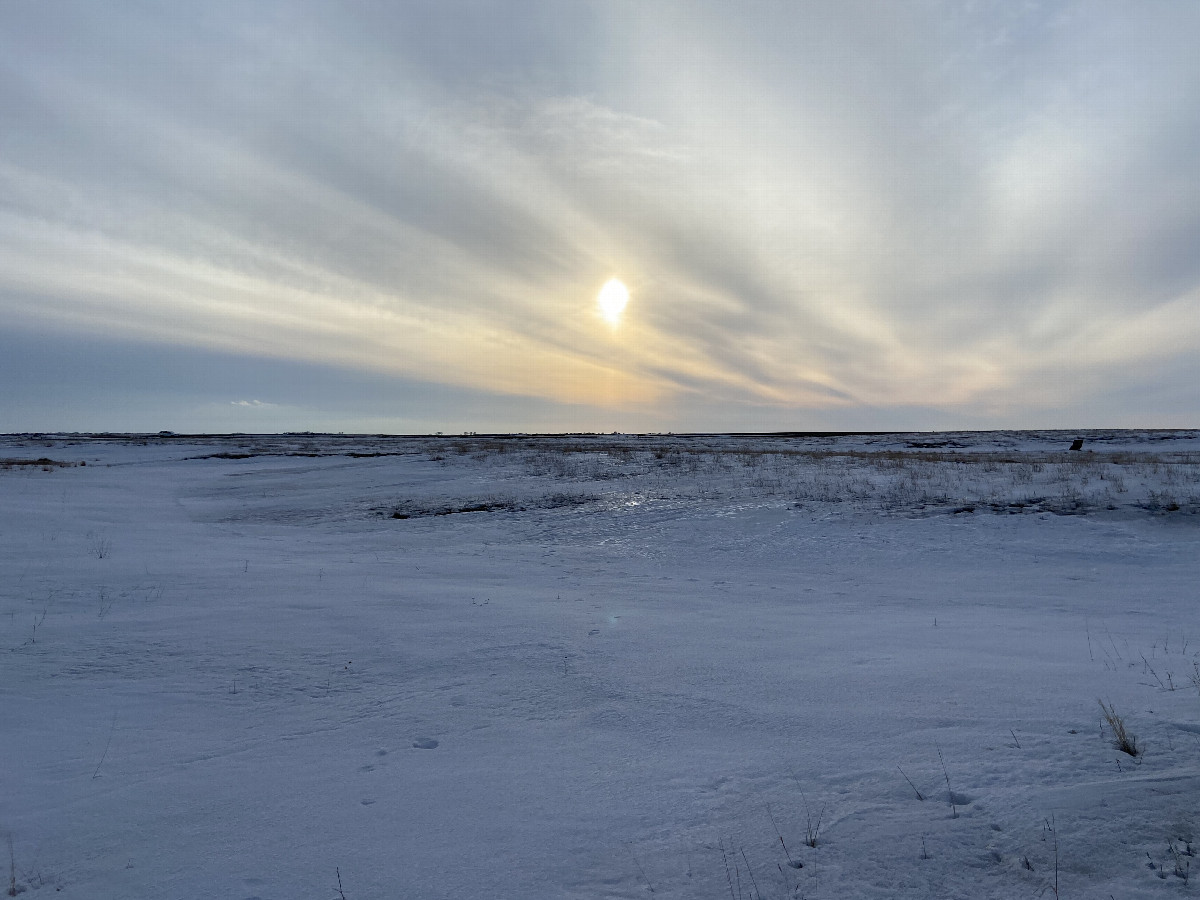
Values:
[(1122, 739)]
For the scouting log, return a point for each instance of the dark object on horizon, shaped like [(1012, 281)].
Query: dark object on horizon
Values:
[(1077, 444)]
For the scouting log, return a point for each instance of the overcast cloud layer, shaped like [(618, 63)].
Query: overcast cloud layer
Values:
[(396, 216)]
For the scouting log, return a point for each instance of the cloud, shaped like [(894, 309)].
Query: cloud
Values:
[(825, 206)]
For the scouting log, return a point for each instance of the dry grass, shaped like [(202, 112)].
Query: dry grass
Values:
[(1122, 739), (922, 479)]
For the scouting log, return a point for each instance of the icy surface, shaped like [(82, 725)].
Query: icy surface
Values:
[(599, 666)]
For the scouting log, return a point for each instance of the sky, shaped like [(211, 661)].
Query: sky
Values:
[(398, 216)]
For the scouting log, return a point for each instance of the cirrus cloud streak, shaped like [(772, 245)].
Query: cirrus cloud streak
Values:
[(817, 208)]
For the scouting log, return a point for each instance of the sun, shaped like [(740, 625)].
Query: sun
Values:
[(612, 299)]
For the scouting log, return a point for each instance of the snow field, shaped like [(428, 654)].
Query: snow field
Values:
[(237, 676)]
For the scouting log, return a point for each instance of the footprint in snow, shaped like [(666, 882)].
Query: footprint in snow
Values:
[(425, 743)]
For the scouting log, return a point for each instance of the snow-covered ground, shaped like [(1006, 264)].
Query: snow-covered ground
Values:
[(599, 666)]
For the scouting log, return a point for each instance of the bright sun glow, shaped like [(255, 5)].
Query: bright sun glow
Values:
[(613, 297)]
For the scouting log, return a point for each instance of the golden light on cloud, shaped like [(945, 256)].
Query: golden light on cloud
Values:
[(612, 299)]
